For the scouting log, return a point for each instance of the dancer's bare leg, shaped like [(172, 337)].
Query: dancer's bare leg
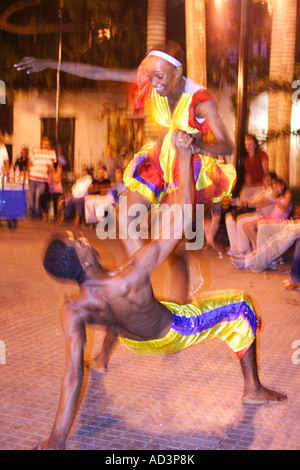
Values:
[(175, 288), (254, 392), (130, 244), (191, 276)]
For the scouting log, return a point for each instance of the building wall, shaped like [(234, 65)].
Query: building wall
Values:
[(91, 110)]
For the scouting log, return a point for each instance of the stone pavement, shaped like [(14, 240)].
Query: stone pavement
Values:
[(187, 401)]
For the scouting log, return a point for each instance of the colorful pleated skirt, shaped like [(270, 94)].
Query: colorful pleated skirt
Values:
[(145, 174)]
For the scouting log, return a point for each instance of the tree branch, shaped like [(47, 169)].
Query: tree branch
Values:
[(14, 28)]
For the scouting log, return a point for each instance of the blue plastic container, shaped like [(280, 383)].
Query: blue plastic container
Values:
[(12, 201)]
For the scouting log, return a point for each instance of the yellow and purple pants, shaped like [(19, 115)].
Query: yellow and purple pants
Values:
[(229, 317)]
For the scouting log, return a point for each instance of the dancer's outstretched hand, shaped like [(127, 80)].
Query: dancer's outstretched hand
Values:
[(32, 65)]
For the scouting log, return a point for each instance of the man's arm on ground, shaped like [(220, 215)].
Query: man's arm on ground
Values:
[(74, 329)]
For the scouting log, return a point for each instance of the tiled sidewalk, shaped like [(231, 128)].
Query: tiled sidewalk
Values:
[(188, 401)]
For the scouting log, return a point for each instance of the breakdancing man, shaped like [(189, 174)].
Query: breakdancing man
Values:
[(122, 301)]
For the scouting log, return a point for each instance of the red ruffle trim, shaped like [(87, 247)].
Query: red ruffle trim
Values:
[(150, 169), (143, 88), (201, 96)]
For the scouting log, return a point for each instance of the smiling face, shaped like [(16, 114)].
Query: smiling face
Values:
[(163, 76)]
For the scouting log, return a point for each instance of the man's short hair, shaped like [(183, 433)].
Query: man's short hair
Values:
[(62, 261)]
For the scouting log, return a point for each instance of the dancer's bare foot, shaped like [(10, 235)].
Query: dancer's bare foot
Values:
[(262, 396), (254, 392), (195, 276)]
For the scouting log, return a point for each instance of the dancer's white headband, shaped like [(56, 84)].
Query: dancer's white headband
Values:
[(165, 56)]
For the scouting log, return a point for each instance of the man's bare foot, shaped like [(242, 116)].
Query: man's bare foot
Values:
[(262, 396), (98, 367)]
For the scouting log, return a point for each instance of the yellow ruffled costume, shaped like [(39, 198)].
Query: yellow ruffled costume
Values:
[(153, 172)]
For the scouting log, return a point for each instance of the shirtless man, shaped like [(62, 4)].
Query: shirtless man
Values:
[(122, 301)]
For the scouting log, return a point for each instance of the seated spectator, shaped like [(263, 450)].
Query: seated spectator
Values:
[(273, 240), (261, 205), (118, 188), (101, 183), (75, 203), (97, 204), (281, 211), (55, 191), (239, 205)]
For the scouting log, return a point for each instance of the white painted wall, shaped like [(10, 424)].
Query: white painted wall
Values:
[(85, 107)]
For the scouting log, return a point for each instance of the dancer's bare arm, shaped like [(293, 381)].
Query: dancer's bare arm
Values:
[(223, 144), (92, 72), (154, 254), (74, 329)]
